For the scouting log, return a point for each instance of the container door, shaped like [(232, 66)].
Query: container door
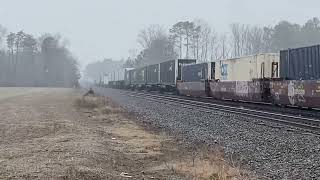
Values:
[(213, 70), (275, 70), (262, 70)]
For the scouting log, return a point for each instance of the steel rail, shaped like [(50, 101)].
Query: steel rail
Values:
[(296, 121)]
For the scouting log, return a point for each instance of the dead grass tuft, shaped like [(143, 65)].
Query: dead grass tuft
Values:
[(92, 102), (112, 110), (205, 163)]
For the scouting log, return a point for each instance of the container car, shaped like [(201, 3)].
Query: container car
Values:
[(289, 78), (170, 72), (248, 68), (195, 79)]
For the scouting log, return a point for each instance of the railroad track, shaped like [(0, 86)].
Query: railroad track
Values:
[(310, 124)]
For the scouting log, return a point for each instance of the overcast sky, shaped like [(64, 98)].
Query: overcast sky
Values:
[(109, 28)]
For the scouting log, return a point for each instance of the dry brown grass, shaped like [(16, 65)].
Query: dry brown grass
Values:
[(203, 163), (62, 135), (92, 102)]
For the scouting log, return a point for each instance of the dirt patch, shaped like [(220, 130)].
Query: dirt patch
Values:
[(57, 134)]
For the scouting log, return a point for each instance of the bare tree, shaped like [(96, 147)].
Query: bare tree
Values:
[(10, 43), (225, 50), (214, 46), (176, 36), (153, 32), (188, 28), (181, 34), (3, 32), (236, 39)]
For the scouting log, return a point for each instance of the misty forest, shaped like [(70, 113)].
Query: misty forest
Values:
[(29, 61), (26, 60), (197, 40)]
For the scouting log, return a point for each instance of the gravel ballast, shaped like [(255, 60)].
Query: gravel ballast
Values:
[(271, 151)]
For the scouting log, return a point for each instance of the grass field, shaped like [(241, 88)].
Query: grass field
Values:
[(51, 133), (7, 92)]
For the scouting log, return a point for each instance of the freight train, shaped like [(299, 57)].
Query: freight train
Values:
[(288, 78)]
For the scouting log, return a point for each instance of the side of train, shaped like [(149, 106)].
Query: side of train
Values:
[(289, 78)]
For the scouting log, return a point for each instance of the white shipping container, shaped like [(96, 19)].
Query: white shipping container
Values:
[(118, 75), (248, 68), (106, 78), (112, 76)]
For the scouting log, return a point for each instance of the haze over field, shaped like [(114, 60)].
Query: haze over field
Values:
[(100, 29)]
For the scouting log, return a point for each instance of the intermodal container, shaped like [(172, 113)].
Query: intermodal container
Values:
[(248, 68), (170, 71), (300, 63), (139, 76), (197, 72), (153, 74), (127, 76)]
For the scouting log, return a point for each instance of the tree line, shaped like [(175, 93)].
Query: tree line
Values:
[(197, 40), (36, 62), (95, 71)]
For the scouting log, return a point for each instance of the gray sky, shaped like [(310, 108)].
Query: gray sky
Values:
[(109, 28)]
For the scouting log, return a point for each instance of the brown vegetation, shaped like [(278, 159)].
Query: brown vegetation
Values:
[(55, 134), (203, 163)]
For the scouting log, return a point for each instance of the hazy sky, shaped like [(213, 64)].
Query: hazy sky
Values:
[(109, 28)]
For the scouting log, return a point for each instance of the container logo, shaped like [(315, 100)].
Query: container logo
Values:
[(224, 71), (200, 74)]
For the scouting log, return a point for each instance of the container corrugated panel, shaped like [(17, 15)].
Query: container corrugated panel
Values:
[(106, 78), (248, 68), (131, 76), (127, 76), (167, 72), (170, 71), (300, 63), (182, 62), (119, 75), (198, 72), (194, 72), (153, 74), (139, 76), (112, 76)]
